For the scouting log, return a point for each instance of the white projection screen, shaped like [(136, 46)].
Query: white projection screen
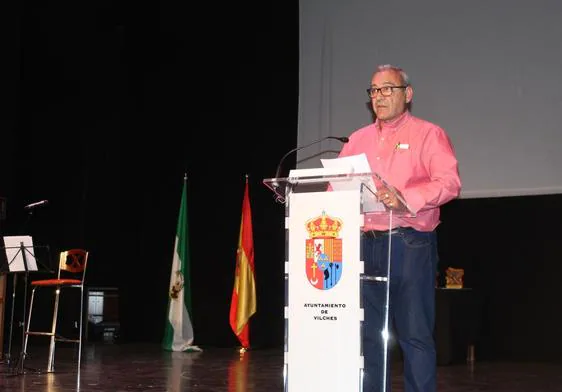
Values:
[(488, 72)]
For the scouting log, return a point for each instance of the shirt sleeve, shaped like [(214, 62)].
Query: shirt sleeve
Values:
[(443, 182)]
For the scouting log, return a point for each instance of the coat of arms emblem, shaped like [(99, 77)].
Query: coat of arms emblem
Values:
[(324, 251)]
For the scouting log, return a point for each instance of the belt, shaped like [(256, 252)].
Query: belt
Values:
[(382, 233)]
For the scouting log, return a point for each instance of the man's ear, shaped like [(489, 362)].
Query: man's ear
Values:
[(409, 94)]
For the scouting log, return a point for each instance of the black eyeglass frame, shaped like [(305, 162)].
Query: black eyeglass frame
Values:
[(372, 91)]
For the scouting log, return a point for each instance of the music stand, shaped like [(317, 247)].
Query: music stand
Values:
[(18, 257)]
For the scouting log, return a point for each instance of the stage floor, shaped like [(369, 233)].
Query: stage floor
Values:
[(140, 367)]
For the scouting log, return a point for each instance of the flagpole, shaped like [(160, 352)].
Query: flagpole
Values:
[(243, 303), (187, 265), (178, 331), (243, 349)]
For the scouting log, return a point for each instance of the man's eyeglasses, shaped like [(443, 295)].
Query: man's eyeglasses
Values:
[(386, 91)]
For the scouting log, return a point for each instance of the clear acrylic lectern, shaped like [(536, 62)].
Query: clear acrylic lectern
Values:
[(324, 215)]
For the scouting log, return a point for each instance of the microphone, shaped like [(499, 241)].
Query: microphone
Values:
[(36, 204), (342, 139)]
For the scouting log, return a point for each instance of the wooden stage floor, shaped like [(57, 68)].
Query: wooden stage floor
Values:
[(143, 367)]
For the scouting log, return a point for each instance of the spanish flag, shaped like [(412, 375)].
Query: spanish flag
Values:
[(243, 304)]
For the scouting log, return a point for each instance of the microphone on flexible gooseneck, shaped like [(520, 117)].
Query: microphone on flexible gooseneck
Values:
[(36, 204), (342, 139)]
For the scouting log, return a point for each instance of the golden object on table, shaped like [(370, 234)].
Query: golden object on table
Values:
[(454, 278)]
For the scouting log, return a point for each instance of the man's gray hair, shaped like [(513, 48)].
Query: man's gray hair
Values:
[(403, 75)]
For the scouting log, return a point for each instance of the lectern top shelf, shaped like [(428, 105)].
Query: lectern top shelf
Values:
[(330, 179)]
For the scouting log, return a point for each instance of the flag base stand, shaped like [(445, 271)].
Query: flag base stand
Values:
[(188, 349), (192, 349)]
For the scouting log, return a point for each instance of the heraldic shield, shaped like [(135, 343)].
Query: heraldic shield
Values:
[(324, 262)]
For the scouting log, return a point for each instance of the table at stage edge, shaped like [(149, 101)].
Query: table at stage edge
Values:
[(456, 325)]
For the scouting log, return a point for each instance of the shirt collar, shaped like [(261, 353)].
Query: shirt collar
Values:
[(393, 125)]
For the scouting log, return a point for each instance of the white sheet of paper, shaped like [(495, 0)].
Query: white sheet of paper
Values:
[(356, 164)]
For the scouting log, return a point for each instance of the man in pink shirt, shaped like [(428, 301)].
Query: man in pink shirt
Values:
[(417, 160)]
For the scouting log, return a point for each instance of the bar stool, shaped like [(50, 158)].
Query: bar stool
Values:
[(71, 273)]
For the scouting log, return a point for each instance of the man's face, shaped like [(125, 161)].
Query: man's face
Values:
[(388, 108)]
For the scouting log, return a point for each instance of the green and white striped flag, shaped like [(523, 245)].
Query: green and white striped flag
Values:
[(178, 334)]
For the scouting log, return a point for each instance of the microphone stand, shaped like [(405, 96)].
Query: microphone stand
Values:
[(19, 369), (24, 316), (14, 286), (278, 171), (280, 199), (8, 355)]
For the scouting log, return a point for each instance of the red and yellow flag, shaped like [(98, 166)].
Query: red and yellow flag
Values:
[(243, 304)]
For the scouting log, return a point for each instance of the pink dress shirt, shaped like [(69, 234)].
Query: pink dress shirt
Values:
[(417, 158)]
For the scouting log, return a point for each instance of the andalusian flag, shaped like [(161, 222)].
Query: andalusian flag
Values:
[(178, 335), (243, 304)]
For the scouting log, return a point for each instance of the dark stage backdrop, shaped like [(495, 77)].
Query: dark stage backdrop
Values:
[(108, 105), (111, 105)]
